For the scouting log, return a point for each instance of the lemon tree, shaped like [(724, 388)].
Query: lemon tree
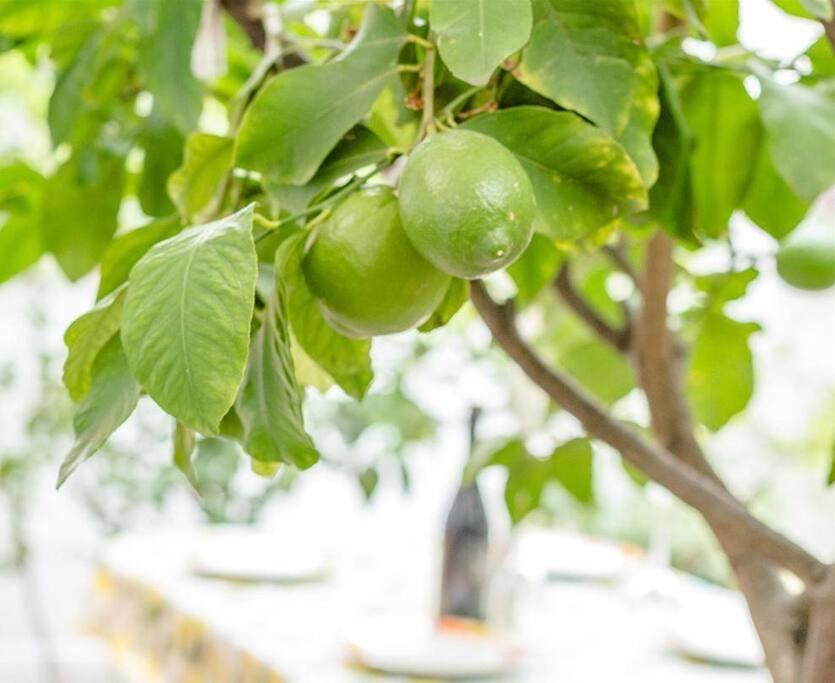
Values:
[(300, 178)]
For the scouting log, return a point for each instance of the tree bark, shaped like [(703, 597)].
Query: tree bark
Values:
[(659, 358)]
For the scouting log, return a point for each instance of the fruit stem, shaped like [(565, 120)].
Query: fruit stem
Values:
[(463, 97), (427, 126), (356, 182), (417, 40)]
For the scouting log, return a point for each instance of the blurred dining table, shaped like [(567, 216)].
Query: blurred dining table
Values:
[(196, 604)]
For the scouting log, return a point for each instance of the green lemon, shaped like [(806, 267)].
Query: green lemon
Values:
[(366, 276), (807, 263), (467, 204)]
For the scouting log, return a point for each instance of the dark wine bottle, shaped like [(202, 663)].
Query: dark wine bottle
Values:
[(466, 537)]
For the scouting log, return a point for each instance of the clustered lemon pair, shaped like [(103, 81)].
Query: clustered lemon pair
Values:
[(380, 265)]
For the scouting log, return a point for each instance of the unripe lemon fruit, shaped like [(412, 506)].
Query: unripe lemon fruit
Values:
[(466, 203), (367, 277)]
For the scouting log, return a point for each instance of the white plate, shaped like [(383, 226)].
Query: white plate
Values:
[(237, 554), (568, 556), (713, 625), (418, 648)]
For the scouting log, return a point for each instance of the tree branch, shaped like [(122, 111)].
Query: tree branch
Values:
[(659, 359), (248, 14), (619, 339), (819, 660), (693, 487)]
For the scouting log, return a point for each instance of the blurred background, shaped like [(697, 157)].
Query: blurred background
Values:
[(85, 573)]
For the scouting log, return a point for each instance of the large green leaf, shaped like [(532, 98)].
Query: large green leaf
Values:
[(298, 118), (583, 55), (724, 121), (163, 145), (571, 466), (113, 396), (535, 269), (769, 201), (583, 179), (671, 198), (722, 21), (636, 137), (81, 206), (127, 249), (186, 321), (86, 337), (347, 360), (21, 242), (599, 369), (270, 401), (66, 101), (475, 36), (720, 378), (359, 148), (25, 18), (801, 135), (165, 60), (206, 161)]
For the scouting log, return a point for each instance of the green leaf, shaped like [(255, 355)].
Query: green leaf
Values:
[(720, 288), (822, 56), (720, 378), (636, 137), (368, 480), (599, 369), (186, 321), (66, 101), (21, 242), (830, 479), (165, 61), (727, 131), (535, 269), (456, 296), (801, 137), (583, 179), (347, 360), (475, 36), (206, 161), (112, 398), (671, 198), (582, 55), (86, 337), (722, 21), (270, 401), (769, 201), (571, 465), (184, 442), (359, 148), (390, 120), (163, 145), (124, 251), (818, 9), (298, 118), (81, 206)]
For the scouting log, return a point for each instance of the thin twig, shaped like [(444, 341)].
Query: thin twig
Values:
[(619, 339)]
